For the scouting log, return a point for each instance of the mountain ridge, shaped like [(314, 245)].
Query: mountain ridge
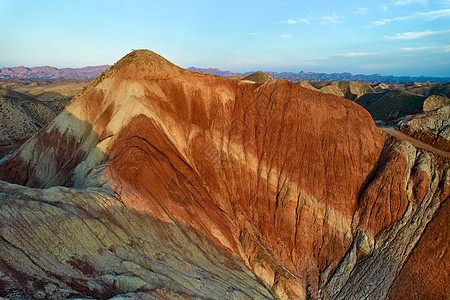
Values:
[(314, 76), (47, 72)]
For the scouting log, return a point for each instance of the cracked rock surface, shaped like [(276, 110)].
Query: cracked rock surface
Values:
[(161, 183)]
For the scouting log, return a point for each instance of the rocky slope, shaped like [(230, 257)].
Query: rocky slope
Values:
[(258, 77), (396, 101), (165, 183), (435, 102), (391, 104), (23, 115), (443, 90), (351, 90), (431, 127), (306, 85)]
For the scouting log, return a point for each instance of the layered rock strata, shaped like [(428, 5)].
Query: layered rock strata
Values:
[(163, 182)]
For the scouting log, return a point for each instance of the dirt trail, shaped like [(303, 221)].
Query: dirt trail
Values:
[(415, 142)]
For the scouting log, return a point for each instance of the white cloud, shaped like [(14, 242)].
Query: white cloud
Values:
[(238, 51), (409, 35), (331, 19), (286, 36), (361, 11), (435, 14), (407, 2), (289, 21), (427, 16), (415, 49), (292, 21), (446, 48), (357, 54), (385, 21), (377, 23), (414, 34), (385, 8)]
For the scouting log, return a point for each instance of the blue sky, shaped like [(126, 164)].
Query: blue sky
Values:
[(389, 37)]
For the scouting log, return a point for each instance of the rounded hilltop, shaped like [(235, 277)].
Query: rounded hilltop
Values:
[(142, 57), (155, 66), (258, 77)]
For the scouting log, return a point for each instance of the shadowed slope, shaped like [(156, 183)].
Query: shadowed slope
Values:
[(391, 104)]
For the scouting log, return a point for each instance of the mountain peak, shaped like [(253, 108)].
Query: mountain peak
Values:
[(142, 57), (258, 77), (139, 64)]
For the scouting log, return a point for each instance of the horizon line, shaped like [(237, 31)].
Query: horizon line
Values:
[(243, 72)]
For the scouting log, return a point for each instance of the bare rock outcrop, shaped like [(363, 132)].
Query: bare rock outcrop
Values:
[(163, 182), (434, 102), (258, 77), (426, 272), (391, 218), (306, 85), (431, 127)]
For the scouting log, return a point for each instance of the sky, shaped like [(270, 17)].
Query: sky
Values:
[(388, 37)]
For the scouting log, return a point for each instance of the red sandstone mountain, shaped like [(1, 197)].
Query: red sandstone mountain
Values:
[(161, 182)]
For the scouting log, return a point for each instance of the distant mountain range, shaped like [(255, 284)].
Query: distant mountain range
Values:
[(93, 71), (52, 72), (312, 76)]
